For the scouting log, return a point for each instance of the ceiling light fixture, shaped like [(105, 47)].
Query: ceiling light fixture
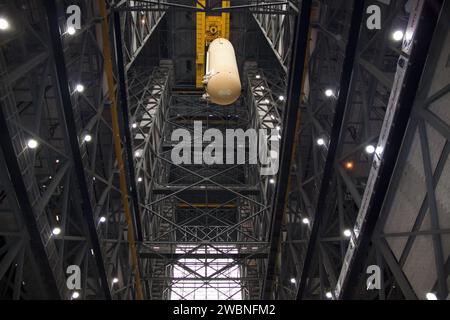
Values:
[(320, 141), (397, 35), (370, 149), (87, 137), (4, 24), (79, 88), (329, 92), (32, 144)]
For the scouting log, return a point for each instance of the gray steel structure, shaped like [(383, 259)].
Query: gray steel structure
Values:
[(191, 217)]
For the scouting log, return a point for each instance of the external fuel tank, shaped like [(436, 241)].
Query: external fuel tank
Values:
[(223, 85)]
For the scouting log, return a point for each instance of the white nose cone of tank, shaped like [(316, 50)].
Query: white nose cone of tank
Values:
[(222, 78)]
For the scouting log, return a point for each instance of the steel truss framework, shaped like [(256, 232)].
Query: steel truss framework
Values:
[(50, 188), (203, 207), (316, 265), (193, 209), (193, 216), (417, 238)]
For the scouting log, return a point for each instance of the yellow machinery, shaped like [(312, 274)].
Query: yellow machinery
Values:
[(209, 27)]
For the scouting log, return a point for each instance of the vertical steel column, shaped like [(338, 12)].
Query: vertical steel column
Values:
[(295, 85), (126, 124), (118, 148), (409, 72), (24, 203), (336, 133), (64, 96)]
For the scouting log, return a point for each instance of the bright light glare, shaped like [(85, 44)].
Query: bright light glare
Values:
[(293, 281), (431, 296), (75, 295), (79, 88), (71, 30), (305, 221), (272, 181), (329, 92), (4, 24), (349, 165), (370, 149), (329, 295), (87, 138), (56, 231), (32, 144), (320, 141), (115, 280), (347, 233), (281, 98), (102, 219), (397, 35)]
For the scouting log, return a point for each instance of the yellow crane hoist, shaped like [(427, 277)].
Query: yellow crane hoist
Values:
[(217, 68)]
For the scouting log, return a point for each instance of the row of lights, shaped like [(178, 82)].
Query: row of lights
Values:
[(347, 232), (370, 149), (33, 143), (4, 25), (57, 230), (328, 294), (76, 294)]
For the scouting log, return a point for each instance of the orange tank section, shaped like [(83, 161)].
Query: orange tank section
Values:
[(223, 85)]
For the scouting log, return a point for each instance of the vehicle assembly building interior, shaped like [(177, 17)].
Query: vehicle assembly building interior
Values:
[(224, 149)]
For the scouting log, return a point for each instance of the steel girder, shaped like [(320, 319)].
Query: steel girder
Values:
[(254, 6), (140, 26), (291, 121), (34, 111), (335, 136), (374, 69), (402, 247), (125, 129), (71, 131), (278, 29), (407, 78)]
